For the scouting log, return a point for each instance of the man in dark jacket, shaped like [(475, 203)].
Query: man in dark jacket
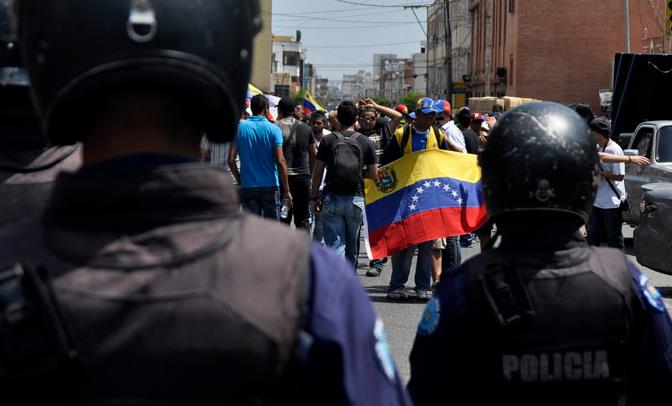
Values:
[(543, 318), (143, 283)]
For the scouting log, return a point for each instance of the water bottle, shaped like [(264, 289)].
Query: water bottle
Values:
[(284, 210)]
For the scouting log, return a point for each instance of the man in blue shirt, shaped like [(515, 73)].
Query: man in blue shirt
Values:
[(259, 145)]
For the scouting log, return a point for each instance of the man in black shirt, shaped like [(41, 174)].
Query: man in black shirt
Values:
[(300, 150), (344, 153), (470, 137)]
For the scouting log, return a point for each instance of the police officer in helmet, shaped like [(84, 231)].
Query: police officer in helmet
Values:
[(28, 166), (145, 282), (543, 318)]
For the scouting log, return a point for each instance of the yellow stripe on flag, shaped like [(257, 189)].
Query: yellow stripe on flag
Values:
[(314, 102), (418, 166), (253, 90)]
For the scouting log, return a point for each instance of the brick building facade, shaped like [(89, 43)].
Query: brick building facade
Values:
[(556, 50)]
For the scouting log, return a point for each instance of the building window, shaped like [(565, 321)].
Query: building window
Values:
[(290, 58), (512, 6)]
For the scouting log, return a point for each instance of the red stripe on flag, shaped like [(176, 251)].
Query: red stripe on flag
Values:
[(425, 226)]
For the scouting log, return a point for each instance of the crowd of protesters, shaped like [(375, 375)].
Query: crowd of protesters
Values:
[(309, 168)]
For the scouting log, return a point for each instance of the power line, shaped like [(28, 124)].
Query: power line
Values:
[(354, 27), (338, 20), (364, 46), (355, 3)]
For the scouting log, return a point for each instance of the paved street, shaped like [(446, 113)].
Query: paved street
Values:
[(401, 319)]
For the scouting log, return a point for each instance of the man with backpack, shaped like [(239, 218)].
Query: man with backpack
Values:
[(344, 154), (299, 150), (419, 136)]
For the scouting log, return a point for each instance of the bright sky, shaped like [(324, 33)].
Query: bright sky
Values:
[(342, 38)]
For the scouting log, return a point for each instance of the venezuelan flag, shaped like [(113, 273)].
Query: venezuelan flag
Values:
[(310, 105), (421, 197)]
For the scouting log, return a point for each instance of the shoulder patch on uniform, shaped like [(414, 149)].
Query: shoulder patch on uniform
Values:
[(430, 317), (382, 351), (651, 294)]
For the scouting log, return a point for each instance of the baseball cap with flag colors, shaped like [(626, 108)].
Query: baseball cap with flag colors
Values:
[(442, 106), (425, 106)]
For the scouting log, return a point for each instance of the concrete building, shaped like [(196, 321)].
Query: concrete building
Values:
[(420, 70), (358, 86), (261, 56), (287, 65), (397, 79), (558, 51), (440, 48), (378, 64)]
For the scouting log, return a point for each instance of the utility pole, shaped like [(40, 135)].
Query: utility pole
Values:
[(488, 46), (449, 52), (627, 26)]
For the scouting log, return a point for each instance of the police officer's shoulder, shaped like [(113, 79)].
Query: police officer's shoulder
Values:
[(645, 290), (448, 301)]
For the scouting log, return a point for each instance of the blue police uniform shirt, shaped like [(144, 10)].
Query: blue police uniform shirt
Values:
[(439, 338), (347, 360), (255, 140)]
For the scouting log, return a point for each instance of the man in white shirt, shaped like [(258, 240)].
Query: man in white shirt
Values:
[(444, 118), (606, 221)]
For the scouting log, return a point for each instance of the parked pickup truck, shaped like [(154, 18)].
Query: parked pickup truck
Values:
[(652, 139)]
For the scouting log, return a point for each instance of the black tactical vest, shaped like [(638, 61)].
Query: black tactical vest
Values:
[(169, 295), (543, 334)]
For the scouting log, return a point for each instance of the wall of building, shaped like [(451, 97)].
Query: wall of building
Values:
[(261, 56), (555, 50)]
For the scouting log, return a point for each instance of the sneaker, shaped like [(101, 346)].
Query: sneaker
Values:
[(400, 295), (435, 286), (424, 295), (373, 272)]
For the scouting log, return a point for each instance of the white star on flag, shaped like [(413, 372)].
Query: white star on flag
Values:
[(454, 193), (446, 187), (412, 206), (415, 198), (420, 190), (427, 184), (437, 183), (459, 201)]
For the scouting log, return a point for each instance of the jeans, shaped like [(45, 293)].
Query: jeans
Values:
[(264, 202), (606, 225), (299, 187), (318, 231), (401, 267), (451, 257), (341, 220)]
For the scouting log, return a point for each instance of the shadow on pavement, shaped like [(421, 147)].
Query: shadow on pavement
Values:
[(378, 294)]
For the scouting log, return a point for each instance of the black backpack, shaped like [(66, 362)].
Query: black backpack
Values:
[(348, 161)]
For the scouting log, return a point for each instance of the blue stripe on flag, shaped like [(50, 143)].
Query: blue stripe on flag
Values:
[(427, 194)]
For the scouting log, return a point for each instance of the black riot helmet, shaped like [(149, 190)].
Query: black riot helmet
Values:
[(19, 125), (540, 157), (79, 50)]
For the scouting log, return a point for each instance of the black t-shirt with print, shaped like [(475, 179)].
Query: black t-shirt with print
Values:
[(296, 148), (325, 154)]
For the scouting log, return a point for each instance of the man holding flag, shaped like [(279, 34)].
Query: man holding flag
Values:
[(407, 198)]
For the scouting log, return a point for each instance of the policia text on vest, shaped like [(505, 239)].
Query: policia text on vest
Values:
[(556, 366)]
